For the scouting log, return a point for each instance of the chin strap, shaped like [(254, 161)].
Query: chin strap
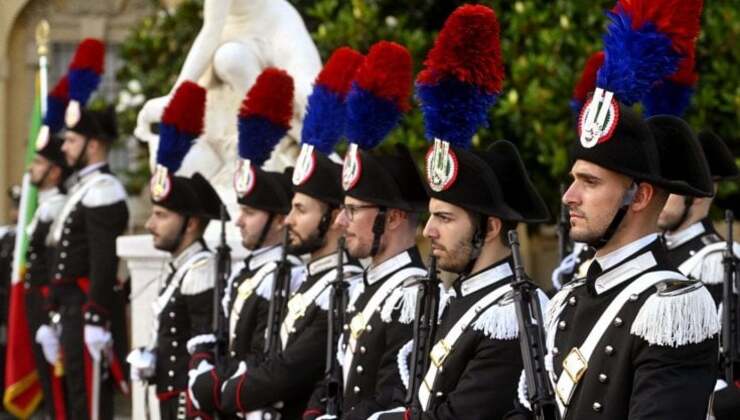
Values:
[(265, 231), (325, 222), (78, 162), (476, 242), (378, 229), (627, 199)]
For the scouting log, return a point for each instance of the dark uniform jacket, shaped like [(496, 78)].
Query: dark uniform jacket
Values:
[(480, 371), (185, 319), (290, 377), (685, 244), (370, 380), (39, 253), (85, 235), (657, 358)]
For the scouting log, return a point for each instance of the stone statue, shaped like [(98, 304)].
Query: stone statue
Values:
[(238, 39)]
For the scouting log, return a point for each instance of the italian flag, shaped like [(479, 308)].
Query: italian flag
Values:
[(22, 387)]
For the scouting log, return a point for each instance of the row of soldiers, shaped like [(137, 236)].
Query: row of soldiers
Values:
[(304, 330)]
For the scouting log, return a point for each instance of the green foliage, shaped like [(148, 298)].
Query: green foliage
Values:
[(544, 44)]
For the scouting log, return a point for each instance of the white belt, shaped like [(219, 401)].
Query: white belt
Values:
[(243, 292), (444, 347)]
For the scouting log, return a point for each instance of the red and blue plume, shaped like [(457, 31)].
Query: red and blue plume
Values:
[(265, 115), (672, 96), (56, 104), (379, 95), (644, 43), (86, 69), (182, 123), (587, 83), (325, 118), (462, 77)]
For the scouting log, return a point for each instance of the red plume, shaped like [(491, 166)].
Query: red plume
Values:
[(340, 70), (387, 73), (680, 20), (587, 83), (686, 74), (61, 89), (187, 108), (468, 49), (270, 97), (90, 55)]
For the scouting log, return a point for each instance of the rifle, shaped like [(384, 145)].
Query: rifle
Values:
[(223, 272), (532, 339), (730, 347), (425, 329), (337, 307), (280, 291)]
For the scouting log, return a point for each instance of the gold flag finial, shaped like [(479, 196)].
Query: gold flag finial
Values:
[(42, 37)]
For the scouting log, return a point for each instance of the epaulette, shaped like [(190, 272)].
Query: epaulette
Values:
[(107, 190), (200, 277), (403, 299), (552, 309), (499, 321), (679, 312), (710, 270)]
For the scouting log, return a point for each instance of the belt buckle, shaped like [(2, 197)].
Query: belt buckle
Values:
[(439, 352), (296, 305), (357, 325), (575, 365)]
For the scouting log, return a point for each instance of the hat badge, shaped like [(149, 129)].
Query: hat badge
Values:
[(42, 139), (351, 168), (599, 118), (72, 113), (244, 178), (160, 184), (305, 165), (442, 166)]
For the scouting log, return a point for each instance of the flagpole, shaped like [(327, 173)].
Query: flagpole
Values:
[(42, 48)]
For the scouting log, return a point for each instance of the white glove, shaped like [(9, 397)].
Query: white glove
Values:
[(240, 370), (49, 343), (193, 374), (143, 363), (97, 338), (327, 417)]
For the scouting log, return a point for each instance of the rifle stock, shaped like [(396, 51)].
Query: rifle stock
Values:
[(337, 306), (729, 350), (532, 339), (280, 291), (223, 272)]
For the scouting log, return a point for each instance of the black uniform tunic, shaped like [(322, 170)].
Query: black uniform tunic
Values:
[(631, 376)]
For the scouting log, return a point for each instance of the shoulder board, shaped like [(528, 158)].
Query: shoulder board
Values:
[(710, 239), (107, 190), (710, 270), (677, 313), (499, 321), (200, 277)]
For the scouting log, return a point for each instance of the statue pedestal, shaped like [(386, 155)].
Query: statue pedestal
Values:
[(146, 266)]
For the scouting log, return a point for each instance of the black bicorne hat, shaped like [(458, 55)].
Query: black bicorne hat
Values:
[(625, 143), (719, 157), (492, 183), (264, 190), (208, 197), (319, 177), (389, 180), (177, 193), (100, 125), (683, 166), (50, 147)]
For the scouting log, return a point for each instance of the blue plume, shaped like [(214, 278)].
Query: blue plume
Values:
[(454, 110), (667, 97), (369, 117), (575, 106), (635, 59), (173, 146), (54, 118), (325, 119), (258, 136), (82, 83)]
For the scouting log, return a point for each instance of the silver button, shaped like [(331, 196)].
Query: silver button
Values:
[(63, 254), (562, 325), (87, 316), (95, 318), (369, 328), (172, 314), (356, 389), (603, 378), (233, 353), (692, 252), (439, 394), (345, 327), (363, 350), (58, 276), (171, 373), (633, 297), (61, 266), (66, 230), (609, 350), (360, 370), (555, 351), (596, 406), (173, 358), (169, 388), (572, 301), (174, 344), (173, 330), (65, 243), (618, 322)]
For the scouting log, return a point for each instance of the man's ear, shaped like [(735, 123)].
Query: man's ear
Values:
[(395, 218), (643, 196), (493, 229)]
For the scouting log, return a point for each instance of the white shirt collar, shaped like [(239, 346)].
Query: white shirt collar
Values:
[(387, 267), (45, 195), (188, 252), (485, 278), (674, 240), (264, 255), (90, 169), (615, 257), (324, 263)]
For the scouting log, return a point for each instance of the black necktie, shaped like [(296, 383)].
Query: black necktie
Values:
[(594, 271)]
